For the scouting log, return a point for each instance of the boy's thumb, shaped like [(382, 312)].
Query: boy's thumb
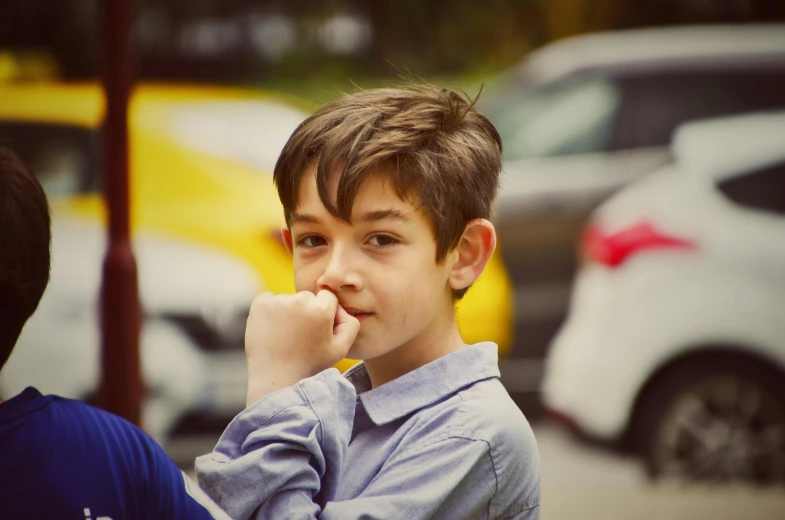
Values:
[(345, 329)]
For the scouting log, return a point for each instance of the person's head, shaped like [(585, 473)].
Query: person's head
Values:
[(24, 248), (387, 195)]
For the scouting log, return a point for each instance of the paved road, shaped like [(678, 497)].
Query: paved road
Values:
[(584, 483), (579, 482)]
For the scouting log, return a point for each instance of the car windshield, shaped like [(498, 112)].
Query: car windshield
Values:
[(570, 116), (251, 132)]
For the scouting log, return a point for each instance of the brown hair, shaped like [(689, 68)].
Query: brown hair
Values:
[(24, 248), (433, 144)]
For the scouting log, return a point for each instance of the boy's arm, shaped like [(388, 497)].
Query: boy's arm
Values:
[(282, 456), (285, 451)]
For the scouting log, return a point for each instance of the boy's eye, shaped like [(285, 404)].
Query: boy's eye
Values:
[(382, 240), (311, 241)]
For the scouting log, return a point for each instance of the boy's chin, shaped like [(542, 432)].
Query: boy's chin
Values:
[(361, 349), (356, 352)]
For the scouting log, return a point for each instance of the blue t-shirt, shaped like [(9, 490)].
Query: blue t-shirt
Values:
[(64, 459)]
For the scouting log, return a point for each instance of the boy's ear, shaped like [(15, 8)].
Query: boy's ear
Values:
[(286, 235), (472, 254)]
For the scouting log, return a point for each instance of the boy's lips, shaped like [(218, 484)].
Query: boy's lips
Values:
[(358, 313)]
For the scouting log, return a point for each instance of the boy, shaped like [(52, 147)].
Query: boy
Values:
[(61, 458), (387, 195)]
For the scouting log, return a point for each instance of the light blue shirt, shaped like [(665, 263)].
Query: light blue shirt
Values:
[(444, 441)]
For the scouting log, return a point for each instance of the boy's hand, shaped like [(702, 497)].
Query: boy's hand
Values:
[(289, 337)]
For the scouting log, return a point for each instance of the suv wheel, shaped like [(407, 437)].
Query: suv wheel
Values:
[(715, 420)]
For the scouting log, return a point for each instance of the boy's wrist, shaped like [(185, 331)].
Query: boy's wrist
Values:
[(268, 379)]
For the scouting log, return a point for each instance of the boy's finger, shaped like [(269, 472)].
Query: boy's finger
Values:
[(328, 299), (345, 329)]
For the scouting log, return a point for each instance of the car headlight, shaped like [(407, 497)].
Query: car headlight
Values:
[(213, 329)]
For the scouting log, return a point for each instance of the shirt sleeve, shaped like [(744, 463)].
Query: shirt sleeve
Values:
[(283, 455), (282, 458)]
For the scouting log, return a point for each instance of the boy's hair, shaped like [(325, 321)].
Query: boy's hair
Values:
[(24, 248), (433, 144)]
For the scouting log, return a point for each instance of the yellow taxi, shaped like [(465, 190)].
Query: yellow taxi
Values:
[(201, 160)]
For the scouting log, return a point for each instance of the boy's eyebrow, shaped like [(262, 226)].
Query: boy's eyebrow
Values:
[(371, 216), (385, 214), (302, 218)]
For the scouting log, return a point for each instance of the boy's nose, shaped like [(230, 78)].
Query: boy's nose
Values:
[(339, 274)]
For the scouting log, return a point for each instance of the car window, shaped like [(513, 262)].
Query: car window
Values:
[(762, 189), (62, 157), (571, 116), (659, 103)]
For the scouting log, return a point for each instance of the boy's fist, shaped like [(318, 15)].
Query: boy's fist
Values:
[(289, 337)]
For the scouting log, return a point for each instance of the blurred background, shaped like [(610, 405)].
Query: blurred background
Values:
[(638, 291)]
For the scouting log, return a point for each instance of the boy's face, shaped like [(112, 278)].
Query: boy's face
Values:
[(382, 267)]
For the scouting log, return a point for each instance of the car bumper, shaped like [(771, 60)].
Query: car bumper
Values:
[(621, 325)]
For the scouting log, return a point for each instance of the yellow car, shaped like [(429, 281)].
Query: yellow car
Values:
[(201, 161)]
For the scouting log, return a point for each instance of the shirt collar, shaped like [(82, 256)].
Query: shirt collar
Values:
[(426, 384), (25, 403)]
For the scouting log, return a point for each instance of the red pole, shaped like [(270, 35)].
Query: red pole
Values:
[(121, 387)]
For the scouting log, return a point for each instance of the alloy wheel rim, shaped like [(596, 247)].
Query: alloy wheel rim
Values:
[(722, 429)]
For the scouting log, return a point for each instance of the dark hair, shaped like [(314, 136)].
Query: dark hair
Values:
[(25, 237), (436, 148)]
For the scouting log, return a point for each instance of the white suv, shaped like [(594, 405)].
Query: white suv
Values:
[(675, 337), (585, 116)]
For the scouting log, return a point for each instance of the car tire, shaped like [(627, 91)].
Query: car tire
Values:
[(714, 418)]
